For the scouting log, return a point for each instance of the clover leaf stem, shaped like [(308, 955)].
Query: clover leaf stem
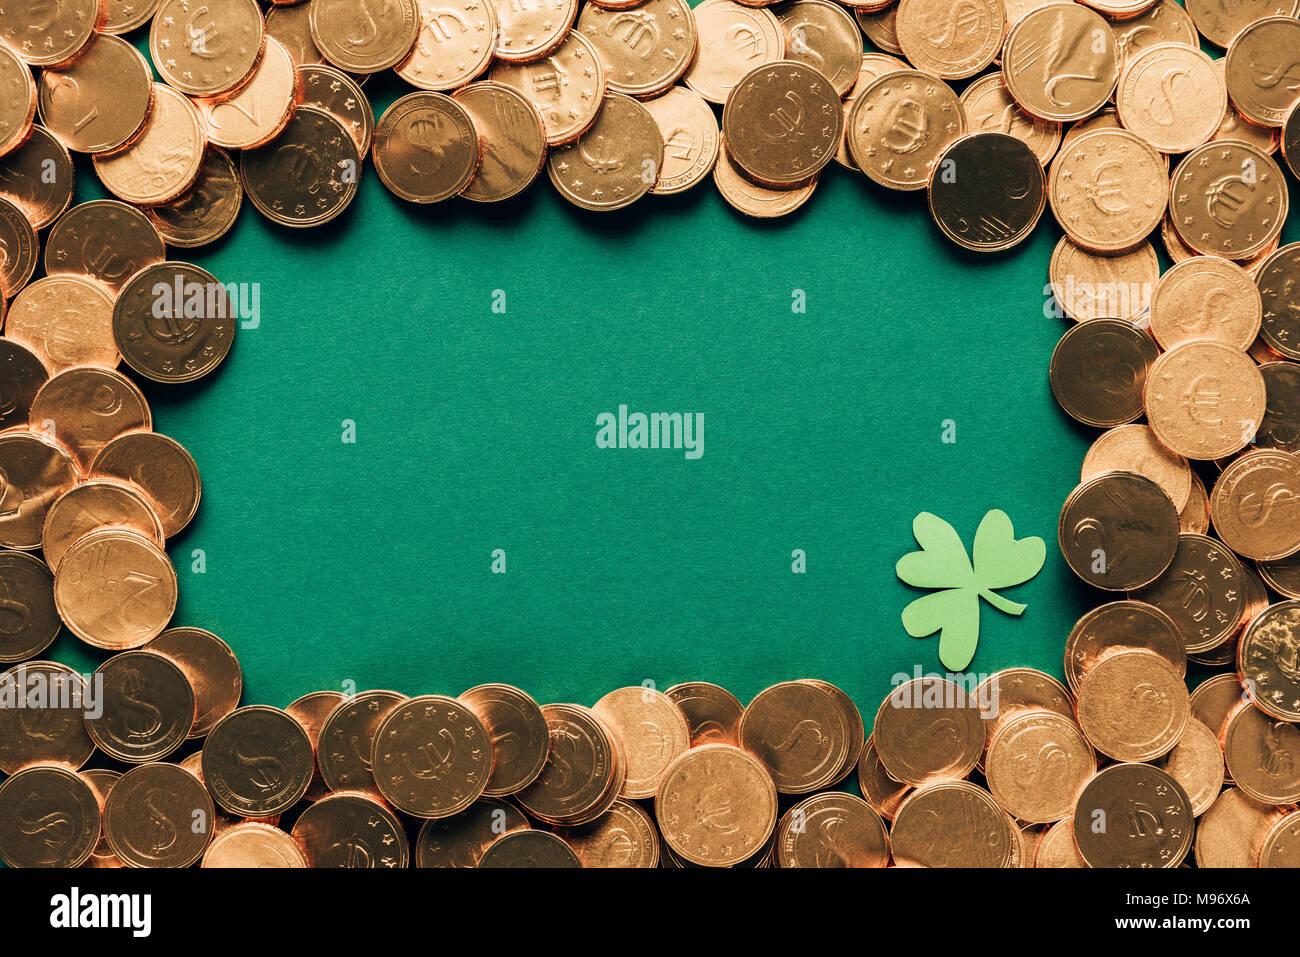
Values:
[(1000, 603)]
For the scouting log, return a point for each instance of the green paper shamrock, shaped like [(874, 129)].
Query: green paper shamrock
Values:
[(1000, 562)]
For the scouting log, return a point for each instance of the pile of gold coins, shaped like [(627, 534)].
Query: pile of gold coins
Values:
[(1106, 112)]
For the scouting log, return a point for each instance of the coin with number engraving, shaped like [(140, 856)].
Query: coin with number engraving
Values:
[(260, 109), (158, 815), (257, 761), (48, 818), (115, 589), (100, 101), (567, 87), (146, 707)]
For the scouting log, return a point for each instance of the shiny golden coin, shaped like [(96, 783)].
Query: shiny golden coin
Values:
[(1228, 199), (37, 471), (126, 15), (1233, 831), (431, 780), (66, 321), (951, 824), (18, 96), (115, 589), (1280, 428), (22, 247), (1057, 847), (158, 815), (291, 25), (1197, 764), (1220, 22), (363, 39), (426, 148), (1195, 515), (716, 806), (351, 830), (1290, 139), (1008, 692), (712, 713), (346, 744), (1157, 811), (1204, 399), (1133, 706), (257, 762), (310, 711), (29, 622), (1089, 286), (1118, 531), (927, 730), (161, 468), (1202, 592), (691, 139), (1266, 660), (624, 836), (615, 162), (799, 733), (1282, 576), (520, 738), (212, 669), (86, 407), (511, 136), (874, 66), (1104, 119), (164, 161), (92, 506), (1134, 448), (174, 322), (1037, 763), (1006, 206), (49, 35), (1234, 126), (101, 781), (832, 830), (625, 38), (1162, 22), (340, 95), (754, 200), (460, 841), (881, 27), (733, 40), (653, 732), (568, 87), (455, 44), (529, 848), (584, 771), (207, 49), (822, 35), (48, 818), (1061, 62), (530, 32), (23, 377), (146, 707), (851, 719), (1282, 843), (1256, 505), (1109, 190), (308, 175), (207, 210), (1171, 124), (951, 43), (254, 845), (1262, 754), (42, 715), (1122, 624), (102, 240), (881, 791), (38, 177), (1279, 288), (990, 109), (900, 125), (260, 109), (100, 101), (1255, 72), (1207, 297), (1215, 698)]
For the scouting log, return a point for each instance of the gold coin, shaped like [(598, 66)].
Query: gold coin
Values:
[(1011, 691), (48, 36), (161, 468), (1109, 190), (341, 96), (832, 830), (1171, 124), (1234, 126), (851, 721), (102, 240), (1134, 448), (712, 713), (207, 210), (30, 620), (1204, 399), (346, 745), (799, 733), (645, 47), (174, 322), (101, 782), (613, 163), (48, 818), (38, 177), (1057, 847), (1061, 62), (881, 791), (584, 766), (460, 840), (351, 829), (1279, 288), (881, 27), (1121, 624), (1265, 660), (66, 321), (691, 139), (1262, 754), (951, 42), (115, 589), (529, 848), (1037, 764), (653, 732), (1282, 844), (1197, 764), (94, 505), (207, 49), (37, 471), (310, 711), (212, 669), (624, 836), (1195, 515), (716, 805), (254, 845), (531, 31), (426, 148), (1133, 815), (86, 407), (874, 65), (1006, 206), (990, 108), (1120, 9), (1256, 505), (1207, 297), (126, 15), (951, 824), (1252, 67), (900, 125), (1163, 22), (1281, 426), (23, 378), (454, 45), (567, 87), (928, 730), (308, 175), (158, 815), (733, 40), (431, 757), (1088, 285), (1233, 831), (1228, 199), (257, 762), (164, 161), (1214, 699), (823, 36), (146, 707), (100, 101), (1289, 140), (512, 138), (43, 717), (17, 101), (1201, 591), (1133, 705), (260, 109), (22, 247), (520, 737), (754, 200), (1282, 576), (363, 38), (1220, 22), (291, 25), (1118, 531)]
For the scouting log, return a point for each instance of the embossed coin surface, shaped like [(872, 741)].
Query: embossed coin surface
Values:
[(254, 845), (1134, 793), (207, 210), (624, 836), (567, 87), (1266, 659), (713, 713), (796, 729), (1255, 60), (1133, 705), (455, 44), (1118, 531), (365, 38), (1060, 62), (158, 815), (94, 505), (512, 138), (1279, 288), (115, 589), (36, 473), (782, 123), (749, 198), (1228, 199), (832, 830), (350, 829), (161, 468), (340, 95), (517, 727), (147, 707), (529, 848), (1262, 754), (257, 761), (100, 101), (899, 126), (1010, 199), (1098, 371), (928, 730), (50, 34), (530, 31), (1134, 448), (1172, 123), (460, 840), (174, 322), (29, 622), (1129, 624), (103, 240), (308, 175), (259, 110), (48, 818), (583, 768), (953, 43), (625, 41), (66, 321), (43, 718), (1256, 505), (615, 162), (734, 39), (653, 732), (209, 48), (1202, 592), (164, 160), (1205, 399), (347, 739), (431, 757), (38, 177), (716, 806), (951, 824), (18, 99), (22, 252), (212, 669), (990, 108), (426, 148), (1109, 190), (1207, 297)]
